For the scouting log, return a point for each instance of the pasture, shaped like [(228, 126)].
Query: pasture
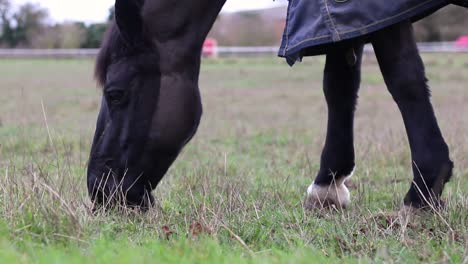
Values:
[(235, 194)]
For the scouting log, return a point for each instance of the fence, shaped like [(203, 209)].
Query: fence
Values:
[(48, 53), (440, 47)]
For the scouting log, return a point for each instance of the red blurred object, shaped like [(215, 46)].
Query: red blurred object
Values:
[(210, 48), (462, 42)]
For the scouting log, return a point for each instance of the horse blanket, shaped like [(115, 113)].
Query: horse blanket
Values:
[(315, 26)]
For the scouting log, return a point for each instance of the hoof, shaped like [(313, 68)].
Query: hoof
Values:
[(408, 213), (335, 195), (434, 205)]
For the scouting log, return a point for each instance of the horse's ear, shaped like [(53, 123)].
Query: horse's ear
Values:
[(129, 21)]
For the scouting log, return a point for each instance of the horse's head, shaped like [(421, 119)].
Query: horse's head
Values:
[(149, 110)]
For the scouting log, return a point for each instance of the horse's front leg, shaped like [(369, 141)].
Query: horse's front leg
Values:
[(403, 71), (341, 84)]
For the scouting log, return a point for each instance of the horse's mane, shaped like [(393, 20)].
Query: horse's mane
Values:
[(111, 44)]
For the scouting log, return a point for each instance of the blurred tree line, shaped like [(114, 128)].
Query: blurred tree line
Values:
[(446, 24), (28, 26)]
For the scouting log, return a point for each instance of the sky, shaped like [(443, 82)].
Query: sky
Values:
[(97, 10)]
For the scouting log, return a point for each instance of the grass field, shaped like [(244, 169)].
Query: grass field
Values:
[(235, 194)]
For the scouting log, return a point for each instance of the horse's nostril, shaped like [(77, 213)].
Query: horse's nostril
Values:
[(108, 163), (125, 145)]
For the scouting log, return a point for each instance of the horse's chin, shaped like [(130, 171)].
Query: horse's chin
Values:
[(112, 189)]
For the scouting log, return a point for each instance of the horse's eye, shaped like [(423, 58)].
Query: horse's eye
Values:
[(115, 97)]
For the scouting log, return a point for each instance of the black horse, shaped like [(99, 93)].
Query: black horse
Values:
[(149, 66)]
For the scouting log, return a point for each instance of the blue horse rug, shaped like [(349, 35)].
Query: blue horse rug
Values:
[(314, 26)]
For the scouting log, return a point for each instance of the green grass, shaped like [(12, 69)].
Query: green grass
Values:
[(235, 194)]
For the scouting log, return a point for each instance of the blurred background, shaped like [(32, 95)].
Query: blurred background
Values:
[(54, 24)]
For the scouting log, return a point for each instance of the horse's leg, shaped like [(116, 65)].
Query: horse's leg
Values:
[(403, 71), (340, 86)]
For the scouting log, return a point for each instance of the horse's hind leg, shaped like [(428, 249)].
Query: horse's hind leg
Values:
[(403, 71), (341, 84)]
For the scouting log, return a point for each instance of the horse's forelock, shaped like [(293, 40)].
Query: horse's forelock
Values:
[(109, 45), (114, 44), (101, 68), (102, 60)]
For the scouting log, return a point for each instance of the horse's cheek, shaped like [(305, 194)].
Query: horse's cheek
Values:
[(177, 114)]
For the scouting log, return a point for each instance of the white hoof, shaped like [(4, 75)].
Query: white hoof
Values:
[(336, 194)]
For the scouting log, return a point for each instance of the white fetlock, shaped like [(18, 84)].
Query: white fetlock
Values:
[(336, 194)]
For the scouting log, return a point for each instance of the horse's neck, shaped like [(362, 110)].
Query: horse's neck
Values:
[(172, 19), (212, 11), (180, 28)]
